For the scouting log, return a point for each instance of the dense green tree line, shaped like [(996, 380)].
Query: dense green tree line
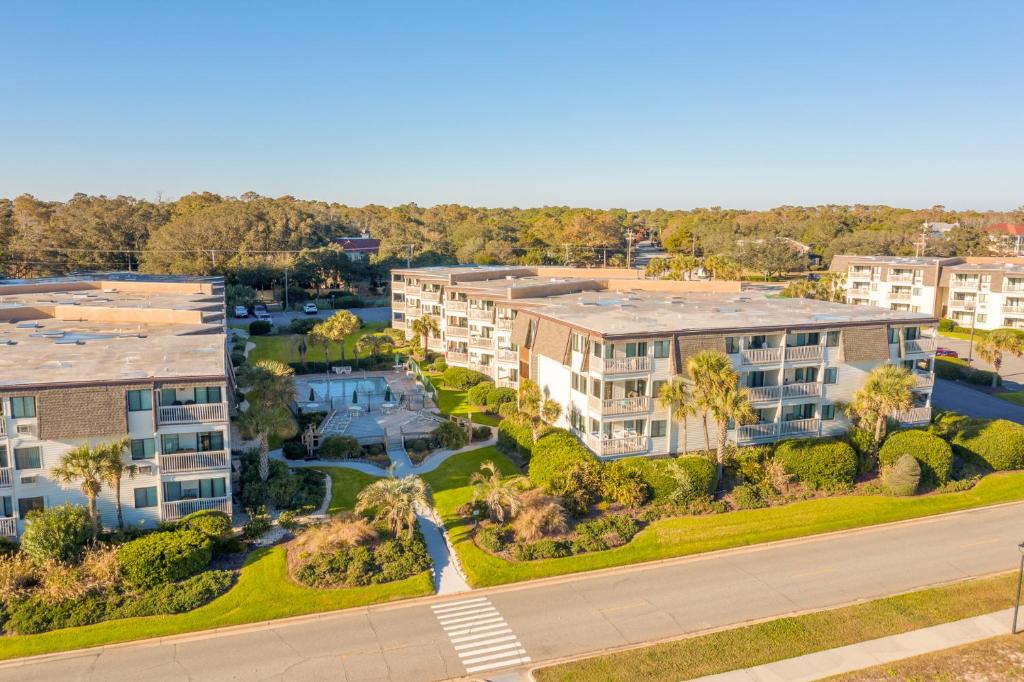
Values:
[(243, 237)]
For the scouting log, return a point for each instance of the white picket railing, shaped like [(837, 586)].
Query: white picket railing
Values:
[(627, 445), (455, 356), (455, 330), (506, 355), (481, 314), (752, 432), (190, 414), (625, 365), (8, 526), (807, 389), (798, 427), (182, 508), (456, 306), (181, 462), (762, 356), (916, 415), (919, 345), (615, 406), (759, 394), (803, 353), (6, 477), (504, 323)]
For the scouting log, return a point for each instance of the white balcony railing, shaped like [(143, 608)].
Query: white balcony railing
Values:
[(755, 432), (504, 323), (483, 369), (1012, 309), (625, 365), (398, 324), (8, 526), (191, 414), (3, 424), (956, 283), (1012, 286), (807, 389), (481, 314), (456, 306), (899, 295), (182, 508), (506, 355), (456, 356), (762, 356), (455, 330), (923, 379), (860, 274), (760, 394), (916, 415), (962, 304), (901, 278), (919, 346), (181, 462), (798, 427), (627, 445), (505, 382), (6, 477), (614, 406), (803, 353), (481, 342), (433, 296)]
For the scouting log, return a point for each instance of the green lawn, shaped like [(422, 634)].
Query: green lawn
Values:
[(345, 485), (695, 534), (451, 401), (1015, 397), (263, 592), (281, 347), (788, 637)]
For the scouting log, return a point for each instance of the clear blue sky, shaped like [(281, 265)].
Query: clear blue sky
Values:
[(624, 104)]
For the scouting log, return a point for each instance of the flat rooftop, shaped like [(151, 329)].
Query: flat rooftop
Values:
[(989, 267), (110, 329), (625, 313), (899, 260)]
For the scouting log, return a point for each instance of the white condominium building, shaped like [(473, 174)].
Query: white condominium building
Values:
[(602, 347), (894, 282), (985, 295), (94, 359)]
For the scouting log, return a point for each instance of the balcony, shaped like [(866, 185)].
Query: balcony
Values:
[(3, 424), (506, 383), (919, 346), (506, 355), (807, 389), (483, 369), (899, 295), (860, 273), (752, 433), (963, 283), (905, 277), (504, 323), (916, 415), (455, 330), (760, 394), (192, 414), (481, 314), (172, 511), (962, 304), (398, 324), (620, 406), (628, 445), (859, 291), (6, 477), (455, 356), (762, 356), (182, 462), (610, 366), (1013, 285), (803, 354), (456, 306), (1011, 309), (799, 427), (481, 342), (923, 379), (432, 296), (9, 527)]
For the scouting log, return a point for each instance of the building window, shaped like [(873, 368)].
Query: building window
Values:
[(894, 335), (145, 497), (192, 490), (656, 387), (732, 345), (208, 394), (169, 443), (29, 504), (577, 342), (661, 349), (982, 318), (636, 350), (595, 388), (4, 462), (597, 349), (831, 375), (143, 448), (27, 458), (210, 441), (832, 339), (6, 507), (657, 428), (23, 407), (828, 412), (140, 401)]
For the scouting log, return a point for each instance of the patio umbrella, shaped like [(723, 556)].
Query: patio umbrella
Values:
[(312, 396), (355, 397), (387, 394)]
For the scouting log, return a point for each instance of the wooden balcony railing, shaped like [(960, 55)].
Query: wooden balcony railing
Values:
[(6, 477), (191, 414), (919, 346), (182, 508), (916, 415), (923, 380), (762, 356), (803, 354), (806, 389), (8, 527), (760, 394), (181, 462)]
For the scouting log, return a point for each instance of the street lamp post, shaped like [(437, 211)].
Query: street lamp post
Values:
[(1020, 581)]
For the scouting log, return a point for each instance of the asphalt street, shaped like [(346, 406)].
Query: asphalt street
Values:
[(521, 625), (950, 395)]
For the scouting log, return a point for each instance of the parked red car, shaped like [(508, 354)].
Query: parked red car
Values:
[(946, 353)]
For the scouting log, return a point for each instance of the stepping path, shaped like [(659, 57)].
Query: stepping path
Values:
[(479, 634)]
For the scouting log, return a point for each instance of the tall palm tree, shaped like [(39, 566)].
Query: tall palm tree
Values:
[(269, 391), (116, 470), (675, 395), (708, 369), (992, 346), (393, 501), (728, 402), (300, 346), (337, 328), (536, 407), (423, 328), (886, 392), (89, 466), (501, 495)]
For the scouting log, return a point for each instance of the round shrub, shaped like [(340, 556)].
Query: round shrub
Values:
[(481, 432), (259, 328), (746, 497), (515, 434), (450, 435), (931, 452), (159, 558), (625, 486), (681, 479), (339, 447), (496, 397), (477, 396), (462, 379), (303, 325), (237, 358), (293, 449), (819, 463), (902, 477), (555, 453), (997, 444), (180, 597), (214, 524), (57, 533)]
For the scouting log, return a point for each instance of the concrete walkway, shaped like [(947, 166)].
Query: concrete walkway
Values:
[(874, 652), (405, 468), (448, 576)]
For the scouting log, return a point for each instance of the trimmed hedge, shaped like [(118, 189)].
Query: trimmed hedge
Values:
[(562, 466), (933, 454), (214, 524), (339, 447), (259, 328), (496, 397), (477, 396), (658, 474), (957, 369), (515, 434), (819, 463), (462, 379), (164, 557), (995, 444), (293, 449)]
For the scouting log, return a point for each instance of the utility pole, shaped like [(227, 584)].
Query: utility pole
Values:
[(286, 288), (408, 259), (974, 317), (629, 248), (566, 253)]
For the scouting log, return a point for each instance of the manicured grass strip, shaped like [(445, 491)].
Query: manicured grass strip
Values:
[(281, 347), (263, 592), (454, 473), (775, 640), (1015, 397), (345, 485), (687, 535), (990, 659), (454, 402)]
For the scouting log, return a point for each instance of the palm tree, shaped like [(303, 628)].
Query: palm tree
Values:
[(708, 369), (423, 328), (337, 328), (501, 495), (393, 501), (728, 402), (537, 408), (270, 391), (88, 465), (299, 344), (676, 396), (992, 346), (886, 392), (116, 469)]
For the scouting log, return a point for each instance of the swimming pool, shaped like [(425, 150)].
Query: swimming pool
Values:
[(343, 388)]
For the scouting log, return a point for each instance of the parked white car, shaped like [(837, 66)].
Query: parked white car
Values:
[(241, 311), (310, 309), (263, 315)]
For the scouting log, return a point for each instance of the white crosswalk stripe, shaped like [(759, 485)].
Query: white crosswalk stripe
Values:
[(479, 634)]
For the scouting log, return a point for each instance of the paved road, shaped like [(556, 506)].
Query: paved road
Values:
[(950, 395), (440, 638), (1012, 370)]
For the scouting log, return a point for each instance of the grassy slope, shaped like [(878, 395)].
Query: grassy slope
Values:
[(990, 659), (788, 637), (1015, 397), (345, 485), (454, 402)]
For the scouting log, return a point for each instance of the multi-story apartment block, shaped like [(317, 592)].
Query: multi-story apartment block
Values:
[(897, 283), (602, 347), (985, 295), (93, 359)]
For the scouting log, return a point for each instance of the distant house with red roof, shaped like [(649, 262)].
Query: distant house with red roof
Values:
[(359, 248), (1009, 236)]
